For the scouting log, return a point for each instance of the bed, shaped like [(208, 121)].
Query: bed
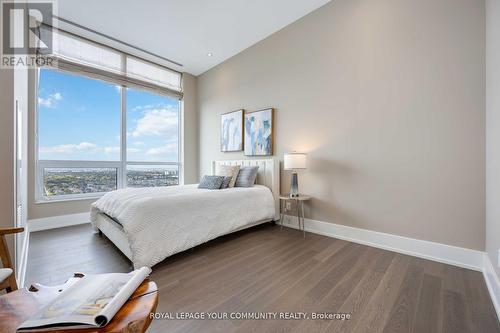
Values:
[(150, 224)]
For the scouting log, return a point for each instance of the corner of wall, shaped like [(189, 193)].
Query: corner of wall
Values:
[(492, 232)]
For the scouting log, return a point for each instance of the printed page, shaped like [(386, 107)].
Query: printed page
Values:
[(92, 301), (123, 294)]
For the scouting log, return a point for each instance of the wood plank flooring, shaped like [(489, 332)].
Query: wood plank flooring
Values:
[(265, 270)]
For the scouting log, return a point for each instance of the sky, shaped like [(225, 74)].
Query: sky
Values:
[(79, 119)]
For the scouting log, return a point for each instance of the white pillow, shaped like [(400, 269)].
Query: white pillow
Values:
[(228, 171)]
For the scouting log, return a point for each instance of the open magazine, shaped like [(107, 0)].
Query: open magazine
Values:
[(91, 301)]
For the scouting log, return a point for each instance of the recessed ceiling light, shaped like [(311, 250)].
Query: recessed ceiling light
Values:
[(209, 54)]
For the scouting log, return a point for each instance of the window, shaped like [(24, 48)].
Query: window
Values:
[(152, 139), (95, 136)]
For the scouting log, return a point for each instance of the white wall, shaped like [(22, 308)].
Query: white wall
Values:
[(493, 130), (387, 99)]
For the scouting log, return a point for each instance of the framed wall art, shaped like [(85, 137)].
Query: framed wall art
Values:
[(259, 127), (231, 135)]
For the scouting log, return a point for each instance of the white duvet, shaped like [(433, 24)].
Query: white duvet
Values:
[(162, 221)]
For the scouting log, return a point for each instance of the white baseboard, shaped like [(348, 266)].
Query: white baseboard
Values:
[(492, 282), (58, 221), (447, 254)]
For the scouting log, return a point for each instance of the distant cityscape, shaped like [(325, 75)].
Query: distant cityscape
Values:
[(152, 177), (64, 181)]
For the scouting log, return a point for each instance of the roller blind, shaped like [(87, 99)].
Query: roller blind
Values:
[(152, 73), (78, 54)]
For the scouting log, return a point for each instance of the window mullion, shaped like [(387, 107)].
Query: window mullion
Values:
[(123, 136), (123, 139)]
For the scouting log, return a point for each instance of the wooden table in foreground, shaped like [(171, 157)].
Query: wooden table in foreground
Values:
[(133, 317)]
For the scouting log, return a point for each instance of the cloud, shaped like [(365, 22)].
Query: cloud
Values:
[(170, 148), (111, 150), (133, 150), (159, 122), (138, 143), (157, 106), (51, 100), (69, 148), (114, 150)]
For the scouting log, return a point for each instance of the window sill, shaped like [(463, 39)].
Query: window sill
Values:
[(68, 199)]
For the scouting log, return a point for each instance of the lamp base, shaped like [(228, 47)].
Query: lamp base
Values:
[(294, 186)]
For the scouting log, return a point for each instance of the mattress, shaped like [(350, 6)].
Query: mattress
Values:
[(159, 222)]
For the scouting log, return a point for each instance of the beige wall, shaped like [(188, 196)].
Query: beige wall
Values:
[(190, 86), (387, 99), (493, 130), (36, 211), (7, 152)]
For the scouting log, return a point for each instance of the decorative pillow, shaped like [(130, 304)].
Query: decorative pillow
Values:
[(211, 182), (225, 183), (228, 171), (246, 176)]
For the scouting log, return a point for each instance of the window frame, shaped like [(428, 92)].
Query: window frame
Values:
[(120, 165)]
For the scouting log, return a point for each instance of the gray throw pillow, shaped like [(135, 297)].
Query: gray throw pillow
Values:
[(246, 176), (225, 183), (211, 182)]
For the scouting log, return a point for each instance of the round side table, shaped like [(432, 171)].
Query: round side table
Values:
[(300, 209)]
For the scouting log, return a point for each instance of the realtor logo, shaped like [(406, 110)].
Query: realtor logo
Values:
[(26, 32)]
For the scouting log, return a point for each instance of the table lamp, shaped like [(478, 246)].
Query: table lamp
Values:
[(294, 161)]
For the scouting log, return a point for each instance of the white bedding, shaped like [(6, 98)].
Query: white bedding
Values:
[(162, 221)]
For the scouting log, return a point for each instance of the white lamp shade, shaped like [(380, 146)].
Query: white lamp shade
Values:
[(294, 161)]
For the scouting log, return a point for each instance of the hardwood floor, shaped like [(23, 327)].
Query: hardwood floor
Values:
[(265, 270)]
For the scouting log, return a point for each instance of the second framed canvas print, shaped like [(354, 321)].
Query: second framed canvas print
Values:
[(259, 132), (231, 135)]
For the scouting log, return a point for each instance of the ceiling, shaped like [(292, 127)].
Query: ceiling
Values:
[(185, 31)]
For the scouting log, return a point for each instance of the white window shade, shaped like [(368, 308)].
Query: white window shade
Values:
[(152, 73), (85, 52), (93, 59)]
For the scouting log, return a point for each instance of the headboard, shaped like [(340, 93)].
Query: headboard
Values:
[(267, 175)]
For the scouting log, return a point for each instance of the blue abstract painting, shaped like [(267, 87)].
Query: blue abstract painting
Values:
[(231, 137), (259, 133)]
